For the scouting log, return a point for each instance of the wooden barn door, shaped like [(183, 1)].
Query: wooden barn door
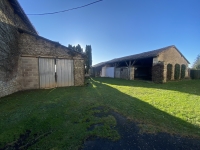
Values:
[(47, 72), (65, 72)]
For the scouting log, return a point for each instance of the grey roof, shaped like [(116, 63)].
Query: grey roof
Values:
[(18, 9), (149, 54)]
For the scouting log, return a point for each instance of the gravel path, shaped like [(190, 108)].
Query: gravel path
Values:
[(133, 140)]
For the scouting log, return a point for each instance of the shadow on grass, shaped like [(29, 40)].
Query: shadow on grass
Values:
[(68, 113), (147, 126), (150, 119)]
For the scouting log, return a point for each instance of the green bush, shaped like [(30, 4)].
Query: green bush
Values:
[(157, 73), (183, 68), (195, 74), (177, 72), (169, 72)]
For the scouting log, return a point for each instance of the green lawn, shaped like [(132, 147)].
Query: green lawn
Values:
[(63, 118)]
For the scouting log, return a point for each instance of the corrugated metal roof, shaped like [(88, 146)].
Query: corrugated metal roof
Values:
[(149, 54)]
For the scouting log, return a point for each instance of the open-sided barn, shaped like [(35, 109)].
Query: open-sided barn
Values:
[(157, 65), (29, 61)]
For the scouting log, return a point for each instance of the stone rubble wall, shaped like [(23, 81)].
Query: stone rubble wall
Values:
[(12, 85), (21, 73), (9, 17), (9, 52), (10, 64), (40, 47), (124, 73), (172, 56), (79, 73), (9, 87)]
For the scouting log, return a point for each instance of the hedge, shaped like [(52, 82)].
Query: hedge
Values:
[(177, 72), (195, 74), (183, 68), (169, 72), (157, 73)]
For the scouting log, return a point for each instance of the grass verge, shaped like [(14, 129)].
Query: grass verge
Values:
[(64, 117)]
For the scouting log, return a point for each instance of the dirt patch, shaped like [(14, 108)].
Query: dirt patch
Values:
[(131, 138)]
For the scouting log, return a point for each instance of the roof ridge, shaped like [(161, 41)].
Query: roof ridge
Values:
[(152, 53), (164, 48)]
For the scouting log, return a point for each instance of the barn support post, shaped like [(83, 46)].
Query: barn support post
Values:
[(128, 65), (131, 70), (165, 73), (133, 63), (115, 69), (132, 73), (115, 65)]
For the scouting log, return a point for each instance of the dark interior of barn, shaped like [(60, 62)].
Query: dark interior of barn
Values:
[(143, 69)]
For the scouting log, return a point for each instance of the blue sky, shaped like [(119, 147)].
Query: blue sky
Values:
[(116, 28)]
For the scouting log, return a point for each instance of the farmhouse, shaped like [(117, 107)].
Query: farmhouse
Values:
[(157, 65), (29, 61)]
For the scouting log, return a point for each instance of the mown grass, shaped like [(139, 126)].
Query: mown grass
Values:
[(62, 118)]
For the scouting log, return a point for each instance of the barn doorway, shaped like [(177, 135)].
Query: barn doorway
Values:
[(143, 69), (56, 72)]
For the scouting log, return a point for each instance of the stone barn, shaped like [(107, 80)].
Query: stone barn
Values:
[(159, 65), (29, 61)]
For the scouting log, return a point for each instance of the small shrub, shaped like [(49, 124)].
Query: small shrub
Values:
[(183, 68), (177, 72), (169, 72)]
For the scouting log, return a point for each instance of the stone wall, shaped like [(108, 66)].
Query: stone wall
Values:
[(31, 45), (127, 73), (12, 85), (10, 72), (9, 17), (8, 51), (34, 45), (79, 73), (30, 75), (20, 73), (124, 73), (9, 87), (172, 56)]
